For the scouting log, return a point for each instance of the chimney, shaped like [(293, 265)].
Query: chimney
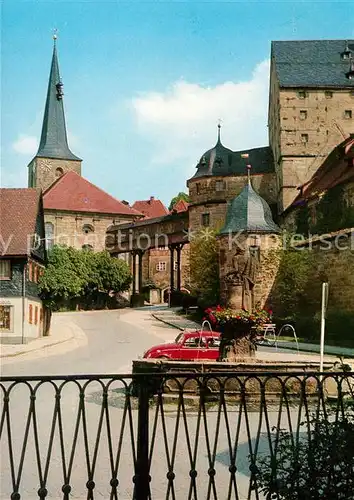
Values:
[(151, 198)]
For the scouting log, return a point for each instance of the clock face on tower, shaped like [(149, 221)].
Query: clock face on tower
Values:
[(46, 165)]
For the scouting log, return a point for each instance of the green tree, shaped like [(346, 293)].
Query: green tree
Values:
[(65, 277), (204, 266), (108, 275), (74, 275), (180, 196)]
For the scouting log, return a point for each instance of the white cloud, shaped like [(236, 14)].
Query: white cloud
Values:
[(26, 145), (181, 122)]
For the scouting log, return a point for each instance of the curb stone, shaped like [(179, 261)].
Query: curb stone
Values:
[(31, 349), (174, 325)]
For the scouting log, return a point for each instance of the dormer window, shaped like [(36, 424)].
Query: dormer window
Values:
[(218, 160), (59, 86), (350, 73), (347, 53)]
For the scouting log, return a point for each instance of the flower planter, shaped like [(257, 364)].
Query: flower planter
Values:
[(238, 331)]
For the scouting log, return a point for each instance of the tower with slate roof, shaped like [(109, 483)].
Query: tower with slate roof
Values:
[(220, 176), (311, 108), (248, 236), (77, 213), (54, 157)]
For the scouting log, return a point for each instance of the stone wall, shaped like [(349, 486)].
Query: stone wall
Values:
[(69, 227), (337, 267), (332, 264), (44, 171), (341, 282)]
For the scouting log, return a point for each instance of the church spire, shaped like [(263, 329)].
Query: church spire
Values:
[(54, 142)]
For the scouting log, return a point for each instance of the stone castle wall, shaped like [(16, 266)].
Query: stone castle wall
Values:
[(337, 265)]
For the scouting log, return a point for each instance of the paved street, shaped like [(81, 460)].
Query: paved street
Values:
[(113, 340), (109, 342)]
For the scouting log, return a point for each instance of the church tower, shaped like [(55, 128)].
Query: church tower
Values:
[(53, 158)]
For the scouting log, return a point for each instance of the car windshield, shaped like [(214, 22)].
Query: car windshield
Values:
[(179, 337)]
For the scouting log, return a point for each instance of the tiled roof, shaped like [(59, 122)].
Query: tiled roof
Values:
[(312, 63), (249, 212), (73, 193), (337, 168), (222, 161), (151, 208), (18, 215), (180, 206)]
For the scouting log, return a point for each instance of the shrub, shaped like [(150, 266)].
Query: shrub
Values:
[(178, 297), (339, 327), (317, 466), (189, 300)]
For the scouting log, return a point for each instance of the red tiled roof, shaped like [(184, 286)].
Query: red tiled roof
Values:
[(73, 193), (151, 208), (180, 206), (18, 215)]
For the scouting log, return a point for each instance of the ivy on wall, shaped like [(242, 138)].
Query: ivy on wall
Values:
[(293, 290), (302, 220), (332, 214), (204, 266)]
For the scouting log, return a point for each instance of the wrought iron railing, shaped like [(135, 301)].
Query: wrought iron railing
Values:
[(178, 436)]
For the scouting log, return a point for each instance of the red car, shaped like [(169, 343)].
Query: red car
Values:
[(188, 346)]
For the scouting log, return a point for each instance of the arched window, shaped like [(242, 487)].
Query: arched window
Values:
[(49, 235), (59, 172), (88, 248), (87, 228)]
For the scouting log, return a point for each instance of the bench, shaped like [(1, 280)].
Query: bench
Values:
[(192, 309)]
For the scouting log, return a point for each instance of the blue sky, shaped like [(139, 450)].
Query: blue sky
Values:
[(145, 83)]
